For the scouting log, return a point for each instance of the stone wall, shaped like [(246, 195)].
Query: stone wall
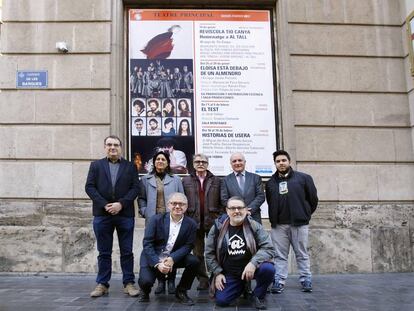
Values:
[(362, 237), (346, 112), (57, 236), (52, 236)]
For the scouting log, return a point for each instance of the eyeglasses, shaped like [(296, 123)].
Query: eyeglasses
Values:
[(234, 208), (180, 204), (201, 162), (112, 145)]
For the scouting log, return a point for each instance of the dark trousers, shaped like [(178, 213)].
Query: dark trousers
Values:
[(170, 277), (235, 286), (198, 251), (104, 227), (148, 274), (257, 216)]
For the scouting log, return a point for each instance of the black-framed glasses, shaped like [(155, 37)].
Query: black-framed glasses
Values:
[(234, 208)]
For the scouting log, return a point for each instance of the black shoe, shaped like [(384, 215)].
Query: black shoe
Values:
[(143, 297), (203, 284), (277, 288), (258, 303), (247, 293), (160, 288), (182, 297), (307, 286), (171, 287)]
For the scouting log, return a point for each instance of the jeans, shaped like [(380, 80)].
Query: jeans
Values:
[(283, 236), (104, 227), (234, 286)]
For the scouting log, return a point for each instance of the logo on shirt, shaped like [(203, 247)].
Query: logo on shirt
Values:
[(236, 245)]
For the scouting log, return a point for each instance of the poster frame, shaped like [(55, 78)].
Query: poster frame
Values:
[(410, 40), (274, 58)]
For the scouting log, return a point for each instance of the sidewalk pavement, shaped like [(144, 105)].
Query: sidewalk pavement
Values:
[(356, 292)]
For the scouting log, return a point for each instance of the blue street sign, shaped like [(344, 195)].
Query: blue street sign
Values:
[(31, 79)]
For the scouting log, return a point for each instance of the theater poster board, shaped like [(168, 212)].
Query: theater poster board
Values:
[(203, 81)]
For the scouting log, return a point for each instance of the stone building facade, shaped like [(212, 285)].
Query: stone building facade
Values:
[(346, 111)]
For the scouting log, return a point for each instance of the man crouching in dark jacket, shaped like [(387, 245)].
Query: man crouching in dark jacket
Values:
[(238, 250)]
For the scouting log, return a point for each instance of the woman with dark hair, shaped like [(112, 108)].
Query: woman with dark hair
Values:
[(169, 129), (184, 108), (157, 186), (168, 109), (139, 108), (184, 128)]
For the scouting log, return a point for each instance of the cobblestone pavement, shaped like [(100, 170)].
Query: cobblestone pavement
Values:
[(363, 292)]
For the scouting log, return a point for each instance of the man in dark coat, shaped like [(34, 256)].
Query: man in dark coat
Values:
[(168, 241), (113, 184), (202, 189)]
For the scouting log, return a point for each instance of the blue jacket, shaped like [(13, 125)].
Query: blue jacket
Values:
[(99, 187), (156, 238)]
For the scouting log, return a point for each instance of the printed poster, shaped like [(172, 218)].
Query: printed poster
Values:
[(201, 81)]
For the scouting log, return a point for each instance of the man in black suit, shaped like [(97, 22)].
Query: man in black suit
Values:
[(243, 184), (168, 241), (113, 185)]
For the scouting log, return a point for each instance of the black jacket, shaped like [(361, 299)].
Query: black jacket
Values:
[(301, 199), (99, 187)]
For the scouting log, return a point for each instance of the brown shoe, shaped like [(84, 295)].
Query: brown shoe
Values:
[(99, 291), (131, 290)]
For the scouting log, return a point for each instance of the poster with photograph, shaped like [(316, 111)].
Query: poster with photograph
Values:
[(201, 81)]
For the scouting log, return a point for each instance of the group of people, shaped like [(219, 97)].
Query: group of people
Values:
[(153, 127), (154, 121), (159, 81), (169, 108), (201, 223)]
